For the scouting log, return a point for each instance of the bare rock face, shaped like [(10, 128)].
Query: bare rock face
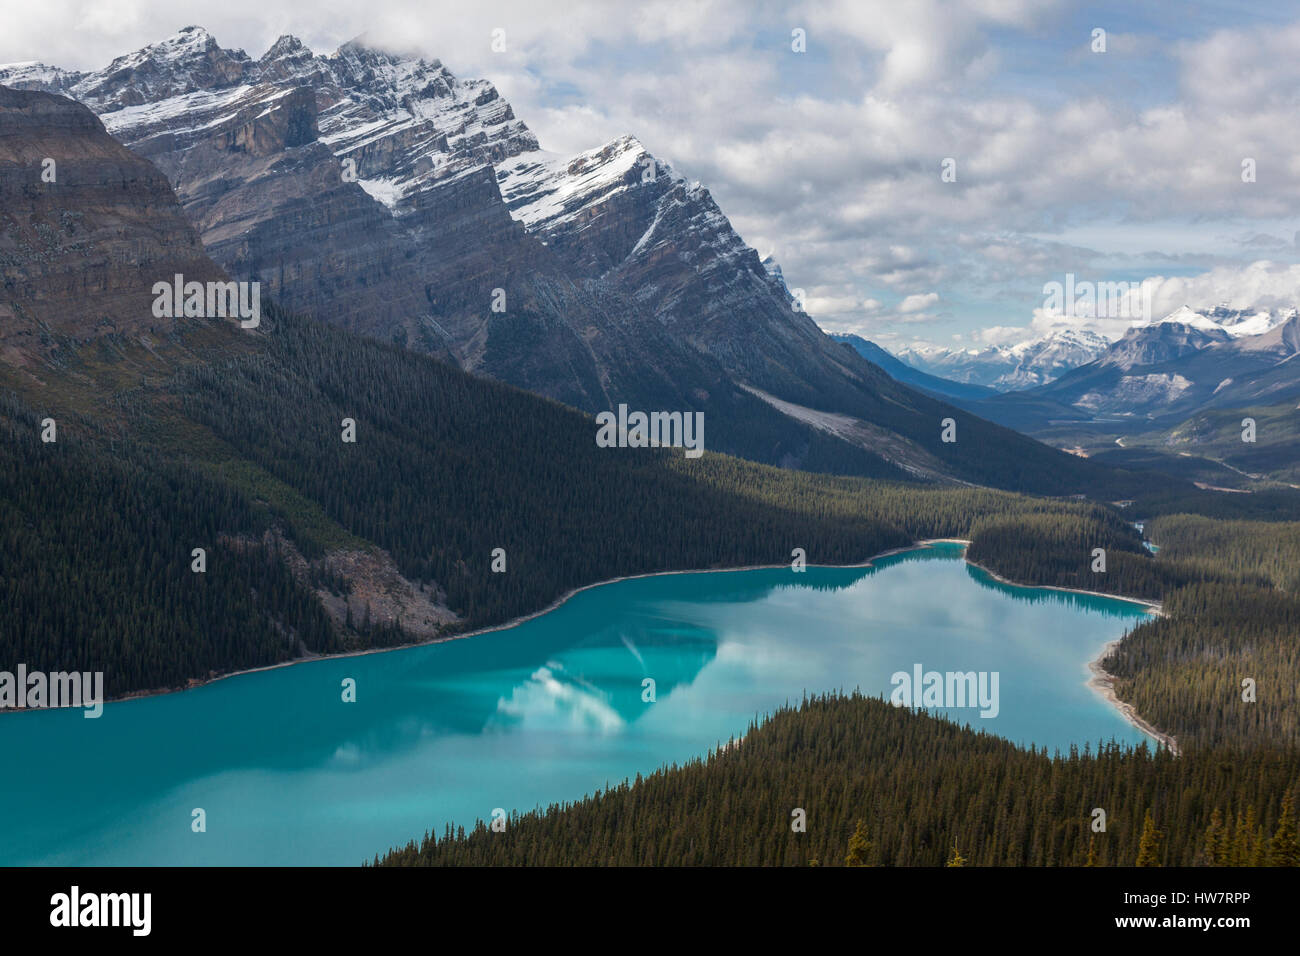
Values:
[(362, 187), (367, 188), (187, 61), (382, 193), (86, 229)]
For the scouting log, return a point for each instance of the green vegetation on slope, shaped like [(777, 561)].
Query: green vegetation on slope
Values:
[(1216, 435), (446, 468), (1058, 551), (1248, 548), (921, 785), (1184, 672), (95, 568)]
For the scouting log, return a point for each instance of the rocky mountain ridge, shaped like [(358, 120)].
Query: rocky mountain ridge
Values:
[(380, 192)]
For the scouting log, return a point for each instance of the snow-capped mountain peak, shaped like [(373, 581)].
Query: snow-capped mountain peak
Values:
[(544, 189), (1042, 359), (1223, 318), (1185, 315), (184, 62), (287, 47), (379, 190), (1024, 364), (405, 122), (1180, 333), (1240, 323)]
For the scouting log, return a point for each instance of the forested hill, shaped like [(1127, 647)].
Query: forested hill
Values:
[(243, 455), (573, 309), (885, 786), (172, 436)]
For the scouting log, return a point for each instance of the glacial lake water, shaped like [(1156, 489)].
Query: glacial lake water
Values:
[(546, 711)]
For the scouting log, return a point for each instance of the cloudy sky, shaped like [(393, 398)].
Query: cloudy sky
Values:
[(1115, 166)]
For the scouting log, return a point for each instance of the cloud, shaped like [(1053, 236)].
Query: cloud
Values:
[(1261, 284), (918, 302), (1265, 284), (831, 158)]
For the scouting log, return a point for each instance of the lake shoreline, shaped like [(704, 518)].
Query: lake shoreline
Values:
[(1102, 682), (195, 682)]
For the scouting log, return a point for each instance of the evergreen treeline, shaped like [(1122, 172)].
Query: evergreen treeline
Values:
[(1057, 550), (1225, 618), (447, 467), (1184, 671), (926, 790), (1223, 621), (923, 511), (1246, 548), (95, 568), (1269, 504)]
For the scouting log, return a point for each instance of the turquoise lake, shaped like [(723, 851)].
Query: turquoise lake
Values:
[(546, 711)]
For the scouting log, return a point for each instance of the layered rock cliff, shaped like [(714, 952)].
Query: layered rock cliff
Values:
[(86, 229), (383, 193)]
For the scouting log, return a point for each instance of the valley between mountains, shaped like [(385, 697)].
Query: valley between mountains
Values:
[(386, 208)]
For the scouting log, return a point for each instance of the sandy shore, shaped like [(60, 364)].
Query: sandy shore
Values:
[(1101, 681)]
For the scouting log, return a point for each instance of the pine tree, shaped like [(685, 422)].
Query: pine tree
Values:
[(859, 847), (955, 858), (1216, 843), (1246, 845), (1092, 851), (1283, 849), (1259, 856), (1239, 852), (1149, 846)]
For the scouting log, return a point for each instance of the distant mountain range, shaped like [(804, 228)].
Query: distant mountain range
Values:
[(1161, 374), (1170, 396), (1171, 369), (910, 375), (1009, 367), (381, 193), (177, 433), (1038, 361)]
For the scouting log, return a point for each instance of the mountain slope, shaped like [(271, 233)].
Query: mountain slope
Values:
[(202, 435), (1010, 367), (900, 371), (195, 433), (1160, 374), (79, 253), (617, 280)]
